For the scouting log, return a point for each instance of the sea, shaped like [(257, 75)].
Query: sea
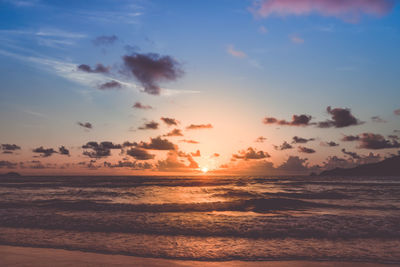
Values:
[(207, 218)]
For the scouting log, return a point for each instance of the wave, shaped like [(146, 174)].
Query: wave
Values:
[(207, 224)]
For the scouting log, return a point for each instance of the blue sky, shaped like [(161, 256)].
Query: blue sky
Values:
[(242, 61)]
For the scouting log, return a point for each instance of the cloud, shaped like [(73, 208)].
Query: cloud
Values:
[(296, 39), (350, 138), (63, 151), (299, 140), (151, 69), (141, 106), (7, 164), (99, 68), (9, 148), (196, 154), (110, 85), (173, 163), (397, 112), (307, 150), (189, 141), (376, 141), (354, 155), (199, 126), (262, 30), (341, 117), (330, 144), (105, 40), (260, 139), (174, 132), (378, 119), (169, 121), (44, 152), (158, 144), (86, 125), (297, 120), (349, 11), (150, 125), (236, 53), (250, 154), (128, 164), (294, 164), (99, 150), (284, 146), (139, 154)]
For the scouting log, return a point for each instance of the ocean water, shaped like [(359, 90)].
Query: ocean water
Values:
[(207, 217)]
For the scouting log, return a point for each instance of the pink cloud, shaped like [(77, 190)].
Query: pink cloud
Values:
[(348, 10), (236, 53), (296, 39)]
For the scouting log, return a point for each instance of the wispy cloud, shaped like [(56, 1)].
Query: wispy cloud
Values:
[(296, 39), (234, 52)]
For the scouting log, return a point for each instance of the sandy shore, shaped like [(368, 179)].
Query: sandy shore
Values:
[(26, 256)]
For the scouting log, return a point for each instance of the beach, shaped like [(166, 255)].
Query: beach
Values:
[(27, 256)]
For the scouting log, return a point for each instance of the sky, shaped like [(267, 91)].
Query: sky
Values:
[(137, 87)]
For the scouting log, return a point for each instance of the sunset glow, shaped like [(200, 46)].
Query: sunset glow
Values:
[(261, 88), (200, 133)]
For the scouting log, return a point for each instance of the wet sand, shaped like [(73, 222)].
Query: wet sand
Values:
[(27, 256)]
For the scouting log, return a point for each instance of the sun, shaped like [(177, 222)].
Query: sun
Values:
[(204, 169)]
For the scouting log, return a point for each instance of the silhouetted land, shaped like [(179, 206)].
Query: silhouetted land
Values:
[(387, 167)]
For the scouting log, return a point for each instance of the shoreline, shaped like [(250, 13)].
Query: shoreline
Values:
[(33, 256)]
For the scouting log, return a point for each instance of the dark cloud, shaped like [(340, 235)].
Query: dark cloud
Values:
[(174, 132), (63, 151), (189, 141), (9, 148), (376, 141), (300, 140), (354, 155), (250, 154), (105, 40), (98, 69), (378, 119), (141, 106), (129, 144), (7, 164), (149, 126), (99, 150), (86, 125), (341, 117), (169, 121), (350, 138), (330, 144), (199, 126), (307, 150), (158, 144), (284, 146), (44, 152), (139, 154), (151, 69), (260, 139), (110, 85), (128, 164), (297, 120), (397, 112)]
